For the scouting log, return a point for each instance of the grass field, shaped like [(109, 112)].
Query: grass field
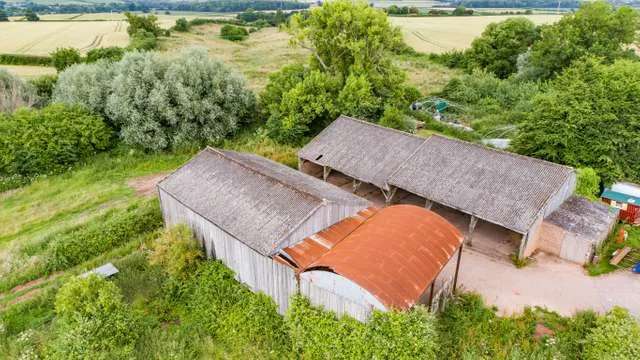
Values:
[(41, 38), (441, 34), (28, 72), (264, 52)]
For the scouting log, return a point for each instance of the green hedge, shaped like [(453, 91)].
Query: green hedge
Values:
[(49, 140), (85, 242), (20, 59)]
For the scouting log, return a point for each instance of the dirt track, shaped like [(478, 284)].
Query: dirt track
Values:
[(548, 282)]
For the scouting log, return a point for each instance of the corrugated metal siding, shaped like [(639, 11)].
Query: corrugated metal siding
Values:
[(258, 272), (333, 302)]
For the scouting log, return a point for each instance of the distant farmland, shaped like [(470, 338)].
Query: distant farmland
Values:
[(440, 34), (41, 38)]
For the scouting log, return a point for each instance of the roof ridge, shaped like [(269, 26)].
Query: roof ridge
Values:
[(509, 153), (380, 126), (244, 165)]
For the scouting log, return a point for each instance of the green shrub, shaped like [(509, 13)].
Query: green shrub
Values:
[(148, 24), (22, 59), (49, 140), (62, 58), (588, 183), (14, 93), (233, 33), (44, 86), (87, 85), (317, 334), (93, 322), (181, 25), (143, 40), (85, 242), (3, 16), (112, 53), (176, 251), (189, 100), (396, 119), (616, 336)]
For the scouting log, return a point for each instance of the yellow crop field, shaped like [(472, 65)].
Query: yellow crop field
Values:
[(441, 34), (41, 38), (28, 72)]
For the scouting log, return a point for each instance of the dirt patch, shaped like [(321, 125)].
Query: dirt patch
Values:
[(146, 185), (542, 331), (34, 283)]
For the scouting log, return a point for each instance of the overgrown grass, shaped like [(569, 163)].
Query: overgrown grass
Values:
[(605, 252), (256, 141)]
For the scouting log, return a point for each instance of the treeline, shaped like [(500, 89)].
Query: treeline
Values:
[(147, 6), (570, 4)]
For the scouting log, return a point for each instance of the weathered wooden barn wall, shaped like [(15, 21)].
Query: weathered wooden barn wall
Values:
[(334, 297), (258, 272), (321, 219)]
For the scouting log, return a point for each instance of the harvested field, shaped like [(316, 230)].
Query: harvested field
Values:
[(28, 72), (41, 38), (441, 34)]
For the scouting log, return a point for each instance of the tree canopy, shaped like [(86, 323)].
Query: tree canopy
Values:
[(588, 118), (497, 49), (350, 71), (596, 29)]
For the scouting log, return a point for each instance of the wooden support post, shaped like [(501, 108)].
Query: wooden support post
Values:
[(455, 277), (472, 226), (428, 204), (433, 284), (325, 172), (356, 185), (388, 195), (300, 163)]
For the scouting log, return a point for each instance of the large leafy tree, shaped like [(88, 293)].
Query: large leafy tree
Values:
[(596, 29), (588, 117), (350, 70), (500, 44)]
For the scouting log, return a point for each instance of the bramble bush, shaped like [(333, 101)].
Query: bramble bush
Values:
[(43, 86), (616, 336), (93, 322), (317, 334), (177, 251), (396, 119), (180, 102), (49, 140)]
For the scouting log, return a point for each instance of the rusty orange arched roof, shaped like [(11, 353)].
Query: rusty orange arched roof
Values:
[(395, 253)]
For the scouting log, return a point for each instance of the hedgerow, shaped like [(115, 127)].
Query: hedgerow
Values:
[(85, 242), (49, 140), (21, 59)]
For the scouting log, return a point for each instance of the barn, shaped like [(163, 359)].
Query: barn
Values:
[(510, 193), (625, 197), (261, 219)]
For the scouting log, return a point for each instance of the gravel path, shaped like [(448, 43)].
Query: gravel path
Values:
[(548, 282)]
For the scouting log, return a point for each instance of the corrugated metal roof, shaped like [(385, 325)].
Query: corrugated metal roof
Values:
[(583, 217), (256, 200), (497, 186), (620, 197), (395, 253), (501, 187), (312, 248), (360, 149)]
